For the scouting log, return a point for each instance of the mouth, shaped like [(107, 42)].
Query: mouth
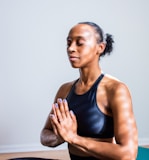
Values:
[(73, 58)]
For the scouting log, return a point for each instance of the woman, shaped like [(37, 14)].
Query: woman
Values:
[(93, 114)]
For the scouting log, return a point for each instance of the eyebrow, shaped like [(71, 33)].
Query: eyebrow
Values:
[(77, 37)]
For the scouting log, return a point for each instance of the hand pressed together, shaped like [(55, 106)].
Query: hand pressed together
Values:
[(63, 121)]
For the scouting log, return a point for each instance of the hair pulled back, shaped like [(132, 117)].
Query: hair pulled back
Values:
[(106, 38)]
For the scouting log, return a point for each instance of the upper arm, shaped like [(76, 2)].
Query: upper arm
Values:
[(125, 129)]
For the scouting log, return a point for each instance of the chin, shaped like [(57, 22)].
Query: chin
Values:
[(74, 66)]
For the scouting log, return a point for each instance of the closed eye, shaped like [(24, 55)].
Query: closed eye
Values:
[(79, 43), (68, 43)]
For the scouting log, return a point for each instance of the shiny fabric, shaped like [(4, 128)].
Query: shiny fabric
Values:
[(91, 121)]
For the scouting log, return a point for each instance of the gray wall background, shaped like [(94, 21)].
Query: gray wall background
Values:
[(33, 60)]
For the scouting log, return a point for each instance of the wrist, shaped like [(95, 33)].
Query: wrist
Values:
[(74, 140)]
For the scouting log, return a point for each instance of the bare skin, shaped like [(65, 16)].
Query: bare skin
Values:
[(113, 97)]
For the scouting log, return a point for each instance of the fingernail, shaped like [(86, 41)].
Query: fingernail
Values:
[(59, 100), (52, 115), (71, 112), (64, 100), (56, 105)]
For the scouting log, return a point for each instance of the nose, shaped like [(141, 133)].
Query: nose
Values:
[(71, 48)]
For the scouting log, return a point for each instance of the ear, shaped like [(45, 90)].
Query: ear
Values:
[(101, 47)]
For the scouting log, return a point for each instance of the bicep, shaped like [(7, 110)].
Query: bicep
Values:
[(124, 122)]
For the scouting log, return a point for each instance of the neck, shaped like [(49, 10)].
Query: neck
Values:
[(88, 75)]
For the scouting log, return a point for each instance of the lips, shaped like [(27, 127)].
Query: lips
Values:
[(73, 58)]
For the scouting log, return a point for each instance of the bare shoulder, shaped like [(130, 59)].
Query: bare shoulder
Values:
[(114, 85), (64, 90), (117, 92)]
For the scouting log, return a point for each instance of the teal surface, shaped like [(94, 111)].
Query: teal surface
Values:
[(143, 153)]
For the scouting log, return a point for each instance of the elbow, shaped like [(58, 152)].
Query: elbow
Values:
[(48, 139), (128, 157), (42, 142), (130, 154), (42, 139)]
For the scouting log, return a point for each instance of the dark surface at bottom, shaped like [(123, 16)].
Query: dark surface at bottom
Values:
[(31, 158)]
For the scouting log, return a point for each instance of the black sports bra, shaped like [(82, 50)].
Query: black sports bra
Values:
[(91, 121)]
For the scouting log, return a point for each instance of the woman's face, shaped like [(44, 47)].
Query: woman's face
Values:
[(82, 46)]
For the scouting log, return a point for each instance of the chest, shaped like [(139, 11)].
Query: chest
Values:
[(91, 121)]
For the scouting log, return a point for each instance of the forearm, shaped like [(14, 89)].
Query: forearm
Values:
[(49, 138), (103, 150)]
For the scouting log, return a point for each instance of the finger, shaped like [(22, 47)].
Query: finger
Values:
[(53, 118), (61, 107), (54, 112), (66, 107), (58, 112), (54, 122), (73, 116), (54, 127)]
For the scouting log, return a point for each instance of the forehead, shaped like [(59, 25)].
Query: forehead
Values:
[(81, 30)]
